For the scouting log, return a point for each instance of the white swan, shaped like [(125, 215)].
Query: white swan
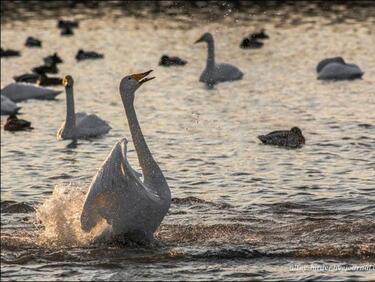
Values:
[(337, 69), (8, 107), (18, 92), (79, 125), (214, 73), (133, 208)]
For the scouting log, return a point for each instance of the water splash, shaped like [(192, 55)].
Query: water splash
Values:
[(59, 218)]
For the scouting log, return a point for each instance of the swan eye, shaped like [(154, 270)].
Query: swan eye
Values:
[(129, 78)]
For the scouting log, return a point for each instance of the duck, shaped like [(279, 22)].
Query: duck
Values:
[(259, 35), (33, 42), (132, 207), (171, 61), (67, 24), (79, 125), (292, 138), (216, 73), (27, 77), (66, 31), (13, 123), (8, 107), (46, 68), (337, 69), (86, 55), (251, 43), (9, 53), (53, 59), (44, 80), (19, 92)]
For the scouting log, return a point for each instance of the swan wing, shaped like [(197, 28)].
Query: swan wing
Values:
[(90, 125), (8, 107), (227, 72), (339, 71), (116, 193)]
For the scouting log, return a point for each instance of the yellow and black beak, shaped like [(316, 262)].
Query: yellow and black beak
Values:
[(141, 77)]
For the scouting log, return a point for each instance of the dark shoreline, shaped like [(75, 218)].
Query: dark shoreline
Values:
[(338, 11)]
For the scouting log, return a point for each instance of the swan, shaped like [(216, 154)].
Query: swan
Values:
[(336, 69), (18, 92), (133, 208), (79, 125), (214, 73), (286, 138), (8, 107)]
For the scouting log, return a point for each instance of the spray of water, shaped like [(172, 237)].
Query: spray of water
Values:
[(59, 218)]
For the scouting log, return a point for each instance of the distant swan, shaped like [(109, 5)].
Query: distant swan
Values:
[(8, 107), (286, 138), (215, 73), (18, 92), (133, 208), (336, 69), (79, 125)]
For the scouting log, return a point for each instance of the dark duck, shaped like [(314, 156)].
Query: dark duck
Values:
[(13, 123), (27, 77), (171, 61), (33, 42), (87, 55), (53, 59), (285, 138), (251, 43), (9, 53), (45, 80)]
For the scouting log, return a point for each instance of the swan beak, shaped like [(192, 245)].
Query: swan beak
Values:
[(141, 77), (199, 40)]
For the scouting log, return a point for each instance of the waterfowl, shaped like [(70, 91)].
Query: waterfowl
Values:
[(27, 77), (33, 42), (8, 107), (251, 43), (9, 53), (18, 92), (133, 208), (66, 31), (171, 61), (15, 124), (215, 73), (52, 59), (259, 35), (44, 80), (336, 69), (83, 55), (46, 68), (286, 138), (67, 24), (79, 125)]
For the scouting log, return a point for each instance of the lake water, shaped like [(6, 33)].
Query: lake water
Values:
[(241, 210)]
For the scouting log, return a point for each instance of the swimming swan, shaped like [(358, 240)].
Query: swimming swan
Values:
[(8, 107), (79, 125), (18, 92), (336, 69), (215, 73), (133, 208)]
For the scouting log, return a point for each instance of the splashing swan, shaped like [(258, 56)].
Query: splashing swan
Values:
[(79, 125), (215, 73), (133, 208)]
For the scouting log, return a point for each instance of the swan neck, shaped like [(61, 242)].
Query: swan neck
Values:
[(210, 54), (151, 171), (70, 121)]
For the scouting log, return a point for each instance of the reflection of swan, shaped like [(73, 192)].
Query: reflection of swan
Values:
[(18, 92), (286, 138), (134, 208), (336, 69), (8, 107), (214, 73), (79, 125)]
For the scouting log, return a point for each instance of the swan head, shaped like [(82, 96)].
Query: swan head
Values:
[(206, 37), (130, 83), (68, 81)]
